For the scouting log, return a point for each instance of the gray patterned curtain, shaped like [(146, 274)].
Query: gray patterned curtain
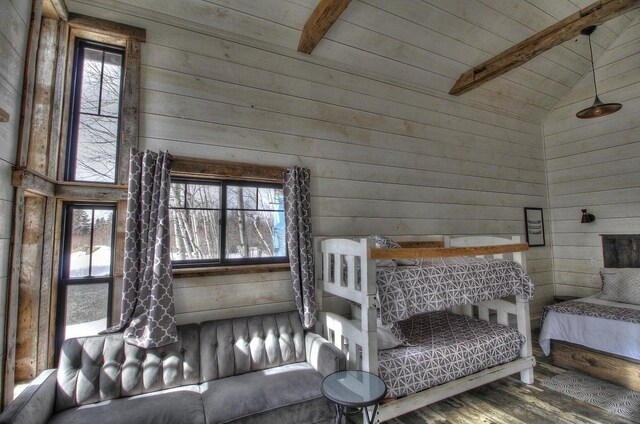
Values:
[(297, 206), (148, 316)]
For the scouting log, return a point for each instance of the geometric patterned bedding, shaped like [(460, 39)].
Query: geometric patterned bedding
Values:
[(444, 347), (576, 307), (439, 283)]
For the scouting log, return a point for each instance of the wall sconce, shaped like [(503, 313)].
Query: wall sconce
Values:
[(586, 217)]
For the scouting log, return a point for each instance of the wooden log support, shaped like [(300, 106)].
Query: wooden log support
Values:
[(111, 29), (55, 9), (564, 30), (33, 182), (185, 166), (323, 16), (4, 115)]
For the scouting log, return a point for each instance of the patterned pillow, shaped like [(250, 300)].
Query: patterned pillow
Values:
[(621, 285)]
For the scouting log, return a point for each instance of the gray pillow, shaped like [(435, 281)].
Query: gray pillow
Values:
[(621, 285)]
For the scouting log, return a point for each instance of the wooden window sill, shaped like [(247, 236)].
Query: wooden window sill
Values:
[(231, 270)]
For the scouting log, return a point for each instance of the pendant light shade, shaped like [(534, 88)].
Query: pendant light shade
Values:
[(598, 108)]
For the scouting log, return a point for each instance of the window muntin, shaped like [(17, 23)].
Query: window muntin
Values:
[(94, 131), (86, 272), (226, 223)]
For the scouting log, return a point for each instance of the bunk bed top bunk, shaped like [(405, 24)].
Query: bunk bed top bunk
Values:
[(410, 297)]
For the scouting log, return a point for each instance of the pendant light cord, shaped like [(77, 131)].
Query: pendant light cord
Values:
[(593, 69)]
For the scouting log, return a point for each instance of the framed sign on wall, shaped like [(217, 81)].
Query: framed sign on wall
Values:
[(534, 224)]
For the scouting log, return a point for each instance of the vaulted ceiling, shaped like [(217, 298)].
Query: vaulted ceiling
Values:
[(429, 43)]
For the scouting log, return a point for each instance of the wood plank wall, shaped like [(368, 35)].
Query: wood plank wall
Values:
[(14, 27), (386, 157), (595, 164)]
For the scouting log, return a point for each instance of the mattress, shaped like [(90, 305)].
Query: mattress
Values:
[(439, 283), (444, 347), (610, 327)]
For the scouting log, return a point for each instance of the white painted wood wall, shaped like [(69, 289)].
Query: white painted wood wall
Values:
[(14, 27), (595, 164), (385, 157)]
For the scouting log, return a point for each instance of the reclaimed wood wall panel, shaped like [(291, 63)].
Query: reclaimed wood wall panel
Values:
[(386, 156), (14, 28), (595, 164)]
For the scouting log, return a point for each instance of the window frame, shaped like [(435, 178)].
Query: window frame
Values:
[(223, 262), (75, 96), (63, 279)]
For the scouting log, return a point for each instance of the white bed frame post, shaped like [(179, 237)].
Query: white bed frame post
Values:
[(368, 312), (524, 327)]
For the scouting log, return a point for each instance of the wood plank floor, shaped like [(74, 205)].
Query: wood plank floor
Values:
[(508, 401)]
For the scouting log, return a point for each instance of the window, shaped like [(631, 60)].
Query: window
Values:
[(226, 223), (95, 113), (86, 271)]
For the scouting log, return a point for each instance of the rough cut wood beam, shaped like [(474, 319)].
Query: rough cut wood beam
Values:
[(321, 19), (55, 9), (407, 253), (33, 182), (564, 30), (4, 115)]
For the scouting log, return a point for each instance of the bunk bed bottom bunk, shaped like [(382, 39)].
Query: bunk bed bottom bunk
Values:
[(442, 347)]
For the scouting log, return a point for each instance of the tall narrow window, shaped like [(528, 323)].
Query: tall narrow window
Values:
[(226, 223), (86, 271), (94, 133)]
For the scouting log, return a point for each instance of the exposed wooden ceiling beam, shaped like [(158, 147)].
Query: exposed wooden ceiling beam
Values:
[(321, 19), (564, 30)]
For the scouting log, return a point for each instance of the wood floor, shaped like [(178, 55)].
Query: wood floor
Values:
[(508, 401)]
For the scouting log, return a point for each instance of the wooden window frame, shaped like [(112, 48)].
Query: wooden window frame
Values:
[(202, 169), (64, 281), (223, 261), (75, 94)]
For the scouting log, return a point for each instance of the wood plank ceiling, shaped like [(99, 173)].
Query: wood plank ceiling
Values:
[(427, 44)]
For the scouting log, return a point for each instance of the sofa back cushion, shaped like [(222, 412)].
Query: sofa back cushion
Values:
[(237, 346), (94, 369)]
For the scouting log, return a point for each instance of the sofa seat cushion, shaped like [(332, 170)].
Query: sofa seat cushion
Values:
[(267, 393), (181, 405)]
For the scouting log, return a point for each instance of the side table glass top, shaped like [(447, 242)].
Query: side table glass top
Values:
[(354, 388)]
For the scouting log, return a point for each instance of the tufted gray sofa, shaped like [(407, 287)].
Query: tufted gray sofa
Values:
[(260, 369)]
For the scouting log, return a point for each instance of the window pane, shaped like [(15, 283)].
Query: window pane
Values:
[(111, 84), (90, 252), (176, 199), (242, 197), (270, 199), (86, 309), (194, 234), (205, 196), (96, 149), (91, 71), (80, 252), (101, 254), (254, 234)]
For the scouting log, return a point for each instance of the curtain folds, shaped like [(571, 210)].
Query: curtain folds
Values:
[(297, 205), (148, 313)]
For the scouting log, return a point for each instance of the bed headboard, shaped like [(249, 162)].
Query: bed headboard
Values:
[(621, 250)]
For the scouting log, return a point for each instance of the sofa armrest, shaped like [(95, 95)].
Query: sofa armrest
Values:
[(35, 404), (323, 356)]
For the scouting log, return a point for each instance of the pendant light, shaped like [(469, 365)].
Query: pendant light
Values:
[(597, 109)]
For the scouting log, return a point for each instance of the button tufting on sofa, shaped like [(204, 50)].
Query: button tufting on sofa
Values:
[(208, 383)]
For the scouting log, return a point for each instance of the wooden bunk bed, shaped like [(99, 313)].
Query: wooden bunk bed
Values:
[(347, 268)]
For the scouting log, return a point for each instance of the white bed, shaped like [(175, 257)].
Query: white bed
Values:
[(606, 335), (354, 279)]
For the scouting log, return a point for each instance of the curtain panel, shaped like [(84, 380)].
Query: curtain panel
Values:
[(148, 312), (297, 205)]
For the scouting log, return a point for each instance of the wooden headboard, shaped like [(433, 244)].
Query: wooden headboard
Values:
[(621, 250)]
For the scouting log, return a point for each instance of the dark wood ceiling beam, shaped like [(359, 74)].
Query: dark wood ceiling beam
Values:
[(323, 16), (564, 30)]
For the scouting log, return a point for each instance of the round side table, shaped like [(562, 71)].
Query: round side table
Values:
[(354, 389)]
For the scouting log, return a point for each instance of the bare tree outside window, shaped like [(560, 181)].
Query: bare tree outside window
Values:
[(95, 129), (248, 227)]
